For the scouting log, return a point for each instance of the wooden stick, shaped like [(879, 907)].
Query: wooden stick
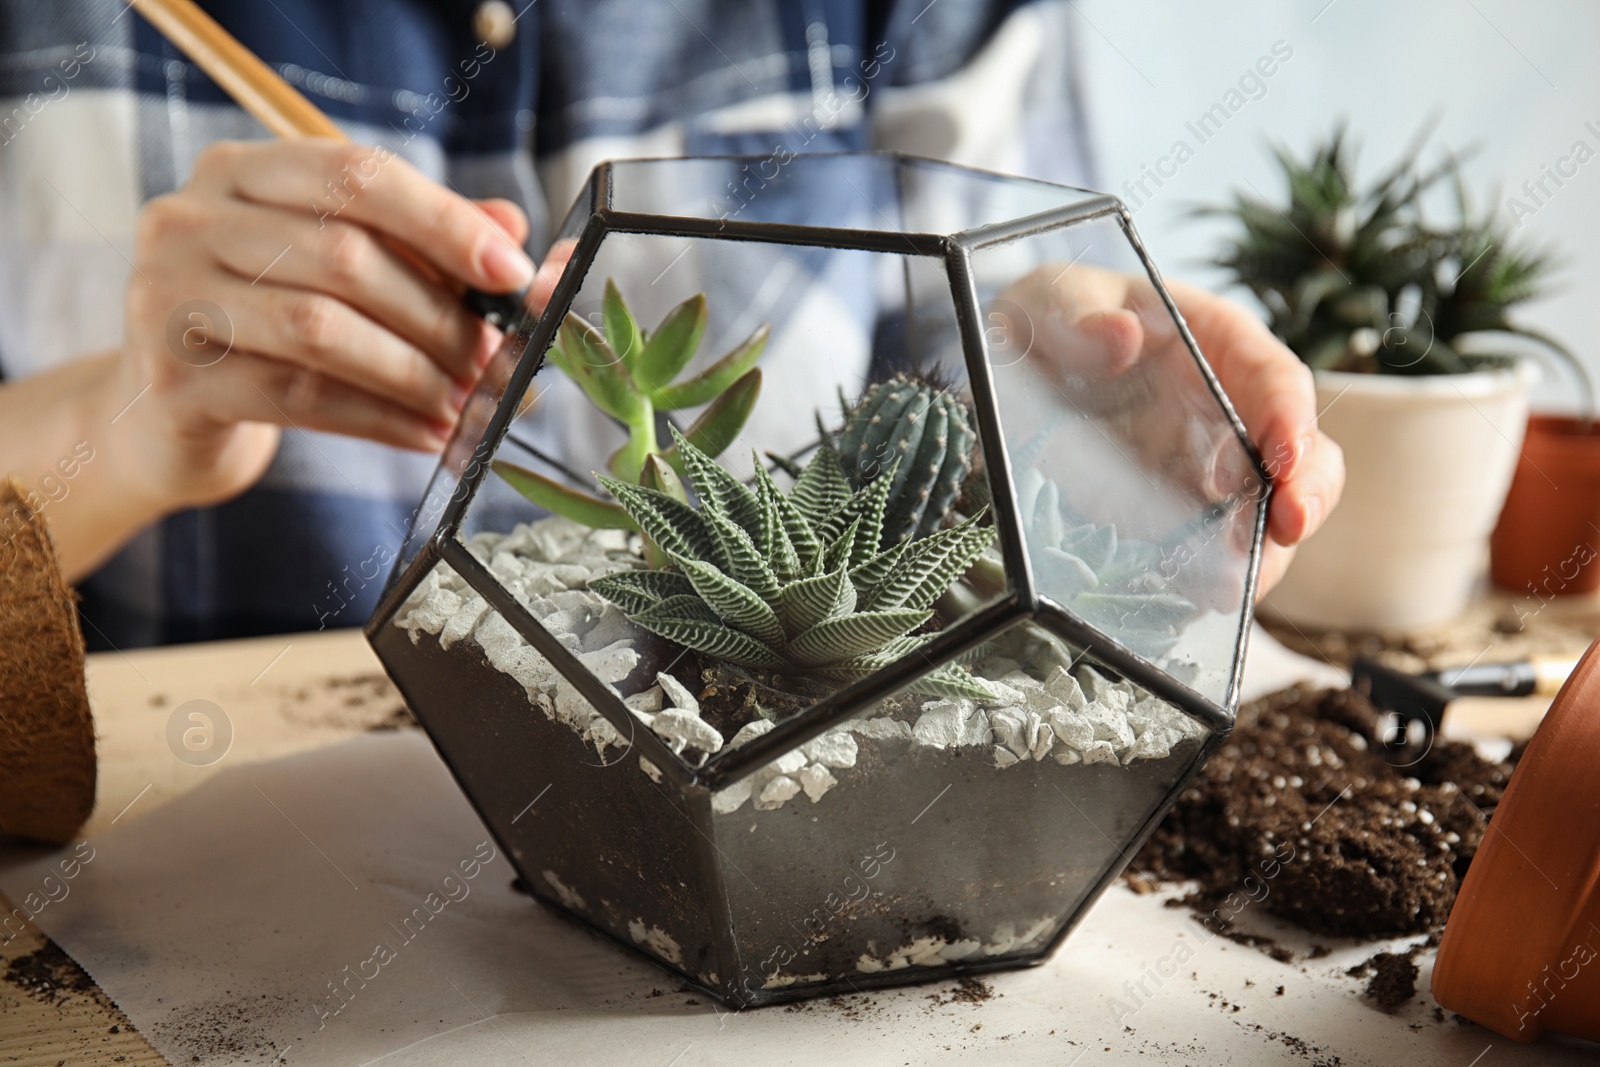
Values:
[(252, 84)]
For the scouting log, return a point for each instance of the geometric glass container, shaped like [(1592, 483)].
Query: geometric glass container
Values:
[(912, 587)]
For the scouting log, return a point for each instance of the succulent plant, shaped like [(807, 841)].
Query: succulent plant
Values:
[(923, 431), (631, 374), (1356, 280), (792, 583), (1122, 585)]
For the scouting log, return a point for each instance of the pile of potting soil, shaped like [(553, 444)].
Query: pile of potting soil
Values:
[(1300, 801)]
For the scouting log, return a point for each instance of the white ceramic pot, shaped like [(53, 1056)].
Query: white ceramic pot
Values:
[(1428, 461)]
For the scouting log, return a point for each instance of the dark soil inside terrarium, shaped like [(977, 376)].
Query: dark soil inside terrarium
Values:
[(911, 843), (1367, 850)]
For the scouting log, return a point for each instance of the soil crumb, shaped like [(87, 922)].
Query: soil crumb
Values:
[(966, 991), (1299, 808), (49, 974), (1393, 980)]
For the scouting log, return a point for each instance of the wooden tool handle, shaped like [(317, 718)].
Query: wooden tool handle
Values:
[(280, 107), (252, 84)]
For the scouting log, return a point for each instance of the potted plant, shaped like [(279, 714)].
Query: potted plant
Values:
[(811, 695), (1403, 323)]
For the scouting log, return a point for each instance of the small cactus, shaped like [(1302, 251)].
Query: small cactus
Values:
[(921, 431)]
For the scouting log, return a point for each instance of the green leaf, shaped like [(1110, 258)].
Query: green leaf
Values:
[(711, 382), (622, 329), (930, 566), (736, 603), (802, 536), (744, 560), (853, 635), (773, 540), (954, 682), (708, 637), (803, 604), (589, 361), (657, 474), (821, 489), (837, 556), (563, 500), (869, 574), (718, 488), (866, 505), (671, 345), (722, 420), (637, 590), (673, 525)]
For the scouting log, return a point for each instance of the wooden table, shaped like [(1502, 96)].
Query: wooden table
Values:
[(284, 695), (281, 695)]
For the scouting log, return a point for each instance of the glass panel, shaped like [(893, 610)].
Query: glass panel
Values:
[(585, 821), (1138, 498), (929, 831), (456, 460), (759, 594), (860, 192)]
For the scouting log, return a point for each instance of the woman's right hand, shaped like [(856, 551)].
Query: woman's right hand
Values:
[(267, 293)]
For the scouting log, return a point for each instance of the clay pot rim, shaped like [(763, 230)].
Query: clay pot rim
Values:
[(1411, 388), (1536, 828)]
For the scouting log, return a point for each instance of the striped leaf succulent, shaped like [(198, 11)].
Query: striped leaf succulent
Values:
[(792, 583)]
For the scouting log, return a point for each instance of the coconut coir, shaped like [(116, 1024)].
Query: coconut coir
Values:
[(46, 734), (1358, 848)]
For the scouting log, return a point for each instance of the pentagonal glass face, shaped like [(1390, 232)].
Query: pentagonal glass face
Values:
[(456, 465), (851, 191), (586, 820), (753, 467), (930, 832), (1138, 498)]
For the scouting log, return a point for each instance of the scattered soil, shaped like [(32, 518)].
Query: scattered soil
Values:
[(49, 975), (967, 990), (1300, 812), (1393, 980)]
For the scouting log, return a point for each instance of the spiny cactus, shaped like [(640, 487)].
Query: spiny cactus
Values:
[(630, 375), (925, 433), (792, 583)]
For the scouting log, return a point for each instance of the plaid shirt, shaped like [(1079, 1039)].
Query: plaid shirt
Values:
[(98, 114)]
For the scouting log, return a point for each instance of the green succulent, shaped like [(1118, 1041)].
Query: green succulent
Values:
[(1120, 584), (792, 583), (631, 374), (1355, 279), (923, 429)]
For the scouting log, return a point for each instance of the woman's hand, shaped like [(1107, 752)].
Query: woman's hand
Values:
[(1108, 344), (268, 292)]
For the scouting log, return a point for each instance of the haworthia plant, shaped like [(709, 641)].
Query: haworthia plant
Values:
[(631, 374), (792, 582), (926, 433)]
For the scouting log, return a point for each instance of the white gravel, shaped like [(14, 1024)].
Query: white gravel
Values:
[(1076, 715)]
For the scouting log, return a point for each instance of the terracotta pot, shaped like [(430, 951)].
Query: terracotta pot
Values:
[(1545, 542), (1521, 953), (1429, 459)]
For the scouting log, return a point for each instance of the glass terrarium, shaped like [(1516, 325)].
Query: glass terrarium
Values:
[(837, 581)]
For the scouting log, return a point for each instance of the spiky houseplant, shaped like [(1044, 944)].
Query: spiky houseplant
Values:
[(924, 431), (1356, 279), (631, 374), (793, 583)]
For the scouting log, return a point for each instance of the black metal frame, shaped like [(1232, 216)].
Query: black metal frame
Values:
[(1023, 601)]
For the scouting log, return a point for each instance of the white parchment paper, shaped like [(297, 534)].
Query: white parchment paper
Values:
[(347, 907)]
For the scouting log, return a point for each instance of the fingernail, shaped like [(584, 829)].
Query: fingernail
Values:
[(504, 265), (1313, 516)]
